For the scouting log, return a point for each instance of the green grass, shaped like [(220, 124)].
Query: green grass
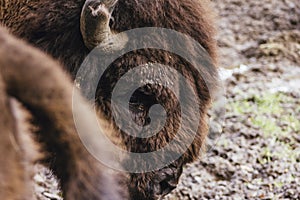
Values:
[(277, 123), (267, 111)]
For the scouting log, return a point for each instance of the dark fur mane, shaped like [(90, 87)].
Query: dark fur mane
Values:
[(186, 16), (49, 30), (54, 27)]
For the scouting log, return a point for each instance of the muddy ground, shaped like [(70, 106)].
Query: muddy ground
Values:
[(257, 155)]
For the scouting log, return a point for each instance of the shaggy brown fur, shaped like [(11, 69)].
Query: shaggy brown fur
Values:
[(54, 26), (46, 93)]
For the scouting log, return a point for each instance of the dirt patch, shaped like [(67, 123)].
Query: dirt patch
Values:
[(258, 154)]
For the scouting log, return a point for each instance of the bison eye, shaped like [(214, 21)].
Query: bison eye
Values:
[(139, 105)]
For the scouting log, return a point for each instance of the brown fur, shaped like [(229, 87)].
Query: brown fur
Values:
[(54, 26), (46, 92), (13, 174)]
